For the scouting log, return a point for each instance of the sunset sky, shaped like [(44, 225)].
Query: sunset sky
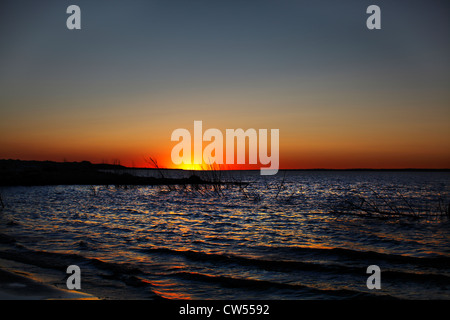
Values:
[(341, 95)]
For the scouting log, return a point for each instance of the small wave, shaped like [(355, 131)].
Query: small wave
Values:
[(442, 280), (244, 261), (287, 266), (6, 239), (56, 260), (97, 270), (252, 284), (437, 261)]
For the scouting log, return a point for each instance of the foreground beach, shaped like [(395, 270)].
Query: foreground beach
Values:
[(19, 285)]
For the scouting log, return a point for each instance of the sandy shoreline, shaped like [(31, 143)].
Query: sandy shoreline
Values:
[(20, 285)]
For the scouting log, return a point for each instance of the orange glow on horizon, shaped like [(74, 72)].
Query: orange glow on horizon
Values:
[(288, 160), (299, 149)]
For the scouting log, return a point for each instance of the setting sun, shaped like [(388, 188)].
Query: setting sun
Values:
[(192, 167)]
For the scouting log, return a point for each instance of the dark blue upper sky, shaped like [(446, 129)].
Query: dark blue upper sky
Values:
[(268, 62)]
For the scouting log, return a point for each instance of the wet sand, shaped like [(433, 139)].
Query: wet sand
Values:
[(19, 285)]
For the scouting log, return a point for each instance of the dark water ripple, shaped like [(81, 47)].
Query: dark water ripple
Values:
[(261, 244)]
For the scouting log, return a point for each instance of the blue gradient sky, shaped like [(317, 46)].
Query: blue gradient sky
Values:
[(341, 95)]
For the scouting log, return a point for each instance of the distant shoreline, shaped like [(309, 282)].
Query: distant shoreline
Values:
[(105, 166), (45, 173)]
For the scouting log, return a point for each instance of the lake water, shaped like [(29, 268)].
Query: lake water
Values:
[(298, 235)]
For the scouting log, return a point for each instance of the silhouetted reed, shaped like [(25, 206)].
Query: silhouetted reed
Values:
[(2, 204), (154, 163), (214, 175), (443, 207), (269, 190), (369, 201), (93, 190)]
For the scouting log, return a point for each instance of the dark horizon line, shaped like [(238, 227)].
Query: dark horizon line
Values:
[(119, 166), (311, 169)]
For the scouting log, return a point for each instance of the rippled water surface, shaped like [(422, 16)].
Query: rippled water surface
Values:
[(299, 235)]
